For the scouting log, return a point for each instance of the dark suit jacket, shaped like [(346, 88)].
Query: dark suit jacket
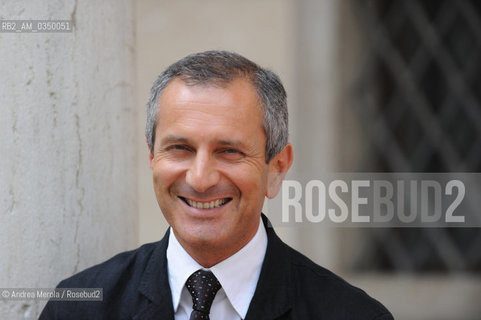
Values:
[(135, 286)]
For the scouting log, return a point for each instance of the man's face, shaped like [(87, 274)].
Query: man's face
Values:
[(209, 169)]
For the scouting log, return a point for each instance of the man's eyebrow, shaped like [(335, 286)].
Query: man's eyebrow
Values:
[(173, 139), (231, 143)]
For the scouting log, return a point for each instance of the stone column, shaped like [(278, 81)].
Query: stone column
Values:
[(68, 140), (316, 115)]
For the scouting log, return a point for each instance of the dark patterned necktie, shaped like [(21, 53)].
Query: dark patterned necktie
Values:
[(202, 286)]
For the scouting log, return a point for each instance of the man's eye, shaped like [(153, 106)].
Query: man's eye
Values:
[(177, 147), (231, 151)]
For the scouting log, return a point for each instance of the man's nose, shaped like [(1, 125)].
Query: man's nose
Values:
[(202, 173)]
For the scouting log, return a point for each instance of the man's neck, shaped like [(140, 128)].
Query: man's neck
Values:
[(208, 255)]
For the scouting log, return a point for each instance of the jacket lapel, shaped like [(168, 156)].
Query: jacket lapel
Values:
[(155, 287), (273, 296)]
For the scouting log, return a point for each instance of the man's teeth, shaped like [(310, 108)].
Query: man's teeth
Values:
[(206, 205)]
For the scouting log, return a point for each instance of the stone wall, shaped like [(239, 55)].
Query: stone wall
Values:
[(67, 144)]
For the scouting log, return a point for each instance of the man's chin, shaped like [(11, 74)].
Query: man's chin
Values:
[(207, 237)]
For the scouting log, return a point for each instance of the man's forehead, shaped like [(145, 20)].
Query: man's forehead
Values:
[(210, 84), (184, 109), (218, 83), (239, 88)]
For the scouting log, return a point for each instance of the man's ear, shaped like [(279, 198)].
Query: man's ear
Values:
[(278, 167), (151, 156)]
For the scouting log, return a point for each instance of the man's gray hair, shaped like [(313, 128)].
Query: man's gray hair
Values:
[(218, 68)]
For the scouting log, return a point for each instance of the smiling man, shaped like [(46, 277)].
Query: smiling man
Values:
[(217, 137), (209, 166)]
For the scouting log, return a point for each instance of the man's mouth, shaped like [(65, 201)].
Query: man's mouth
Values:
[(206, 204)]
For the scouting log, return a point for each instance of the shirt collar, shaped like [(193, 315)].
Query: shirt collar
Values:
[(237, 274), (180, 266)]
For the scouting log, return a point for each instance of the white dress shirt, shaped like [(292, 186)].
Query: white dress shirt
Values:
[(237, 274)]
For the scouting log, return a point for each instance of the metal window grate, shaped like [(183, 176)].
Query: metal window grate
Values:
[(419, 94)]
